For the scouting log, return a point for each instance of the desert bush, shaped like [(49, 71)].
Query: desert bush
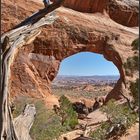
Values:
[(19, 103), (134, 85), (47, 125), (100, 132), (120, 118), (119, 113), (135, 91), (135, 44), (131, 65), (67, 113)]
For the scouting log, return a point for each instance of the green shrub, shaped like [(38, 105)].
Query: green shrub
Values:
[(19, 103), (120, 118), (47, 125), (119, 113), (45, 128), (66, 109), (135, 91), (100, 132), (132, 63), (135, 44)]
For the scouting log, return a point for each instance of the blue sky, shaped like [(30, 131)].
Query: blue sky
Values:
[(87, 64)]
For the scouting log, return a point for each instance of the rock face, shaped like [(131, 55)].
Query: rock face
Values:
[(124, 12), (89, 6), (37, 64)]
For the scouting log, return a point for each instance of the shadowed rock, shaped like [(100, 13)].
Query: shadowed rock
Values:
[(80, 108), (83, 138)]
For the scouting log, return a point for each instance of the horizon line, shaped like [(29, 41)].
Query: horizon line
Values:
[(88, 75)]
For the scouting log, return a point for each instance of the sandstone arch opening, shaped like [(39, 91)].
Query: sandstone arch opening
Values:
[(85, 75), (87, 64)]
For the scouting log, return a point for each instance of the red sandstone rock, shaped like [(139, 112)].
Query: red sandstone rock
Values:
[(88, 88), (124, 12), (73, 32)]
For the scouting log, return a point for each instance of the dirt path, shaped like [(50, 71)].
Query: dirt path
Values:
[(132, 133), (95, 118)]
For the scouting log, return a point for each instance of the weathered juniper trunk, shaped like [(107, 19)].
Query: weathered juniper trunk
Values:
[(23, 122), (11, 41)]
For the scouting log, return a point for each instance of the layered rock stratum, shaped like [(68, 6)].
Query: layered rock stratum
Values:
[(124, 12), (104, 27)]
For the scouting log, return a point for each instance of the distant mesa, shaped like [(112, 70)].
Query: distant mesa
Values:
[(88, 88)]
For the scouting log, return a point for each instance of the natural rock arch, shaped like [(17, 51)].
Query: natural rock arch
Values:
[(107, 51), (68, 35)]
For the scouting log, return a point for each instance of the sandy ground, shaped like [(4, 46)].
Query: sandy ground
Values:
[(132, 133)]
